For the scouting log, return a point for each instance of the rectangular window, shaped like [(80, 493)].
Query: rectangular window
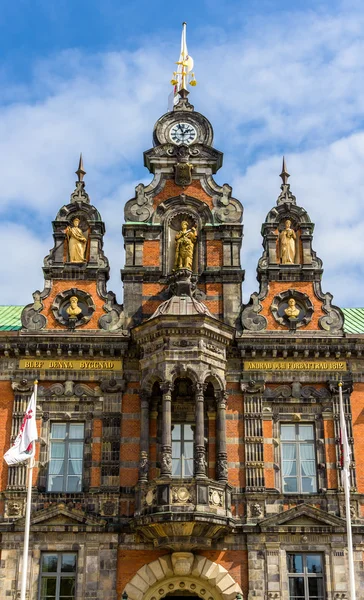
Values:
[(298, 459), (58, 576), (182, 450), (305, 574), (66, 457)]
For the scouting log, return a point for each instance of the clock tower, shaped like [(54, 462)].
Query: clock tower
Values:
[(183, 162)]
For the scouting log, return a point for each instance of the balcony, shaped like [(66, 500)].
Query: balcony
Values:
[(183, 514)]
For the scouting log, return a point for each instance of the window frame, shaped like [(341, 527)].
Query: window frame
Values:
[(182, 458), (66, 458), (58, 574), (306, 575), (298, 442)]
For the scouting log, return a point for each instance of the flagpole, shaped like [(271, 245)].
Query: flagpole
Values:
[(27, 513), (346, 482)]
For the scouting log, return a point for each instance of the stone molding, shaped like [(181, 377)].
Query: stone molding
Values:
[(201, 577)]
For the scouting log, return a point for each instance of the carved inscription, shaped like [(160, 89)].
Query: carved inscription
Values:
[(307, 365), (77, 365)]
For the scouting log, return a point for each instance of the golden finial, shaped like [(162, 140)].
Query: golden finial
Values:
[(184, 75)]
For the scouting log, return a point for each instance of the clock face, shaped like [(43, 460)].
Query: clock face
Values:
[(183, 133)]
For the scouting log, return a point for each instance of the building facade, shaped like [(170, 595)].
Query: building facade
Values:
[(188, 444)]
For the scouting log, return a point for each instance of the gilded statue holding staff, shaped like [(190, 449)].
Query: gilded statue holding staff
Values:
[(185, 244)]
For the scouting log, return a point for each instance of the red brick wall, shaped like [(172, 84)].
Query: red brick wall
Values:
[(357, 409), (130, 428), (171, 190), (6, 408)]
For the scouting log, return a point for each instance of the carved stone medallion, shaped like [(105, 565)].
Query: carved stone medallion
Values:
[(73, 308), (292, 308)]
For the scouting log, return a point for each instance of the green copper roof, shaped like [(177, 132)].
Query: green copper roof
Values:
[(354, 320), (10, 319)]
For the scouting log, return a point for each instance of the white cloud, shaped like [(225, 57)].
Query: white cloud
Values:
[(292, 84)]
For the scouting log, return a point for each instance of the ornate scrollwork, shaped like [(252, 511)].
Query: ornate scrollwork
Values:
[(250, 317), (31, 318), (333, 321), (114, 319)]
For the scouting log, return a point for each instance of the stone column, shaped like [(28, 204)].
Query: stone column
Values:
[(221, 454), (200, 451), (144, 437), (166, 463)]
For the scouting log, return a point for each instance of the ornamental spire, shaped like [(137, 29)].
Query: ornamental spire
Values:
[(184, 75), (80, 171), (286, 195), (284, 175), (80, 194)]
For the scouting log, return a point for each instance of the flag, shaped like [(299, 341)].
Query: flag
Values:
[(24, 446), (345, 446)]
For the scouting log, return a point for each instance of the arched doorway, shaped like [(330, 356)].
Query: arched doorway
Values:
[(182, 575)]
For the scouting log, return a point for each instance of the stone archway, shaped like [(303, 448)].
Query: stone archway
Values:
[(184, 572)]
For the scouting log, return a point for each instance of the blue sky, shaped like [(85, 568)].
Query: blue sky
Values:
[(94, 77)]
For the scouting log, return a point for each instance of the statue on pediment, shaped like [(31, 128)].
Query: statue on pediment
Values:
[(287, 243), (76, 242)]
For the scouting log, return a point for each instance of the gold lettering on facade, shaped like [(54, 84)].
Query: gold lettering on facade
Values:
[(281, 365), (76, 365)]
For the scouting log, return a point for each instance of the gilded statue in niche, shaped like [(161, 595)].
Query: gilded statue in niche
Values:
[(287, 244), (185, 244), (292, 310), (76, 242), (73, 310)]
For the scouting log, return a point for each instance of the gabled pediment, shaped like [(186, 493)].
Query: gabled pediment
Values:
[(304, 515), (60, 516)]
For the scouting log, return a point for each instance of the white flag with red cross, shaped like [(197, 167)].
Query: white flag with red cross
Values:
[(24, 445)]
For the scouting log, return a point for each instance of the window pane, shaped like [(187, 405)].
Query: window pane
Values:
[(57, 450), (307, 452), (309, 485), (305, 432), (289, 451), (68, 563), (55, 483), (296, 588), (176, 467), (290, 484), (289, 468), (189, 467), (58, 431), (48, 588), (76, 431), (288, 432), (315, 587), (67, 587), (295, 563), (188, 432), (176, 449), (176, 432), (75, 467), (75, 449), (314, 563), (188, 449), (49, 563), (74, 484)]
